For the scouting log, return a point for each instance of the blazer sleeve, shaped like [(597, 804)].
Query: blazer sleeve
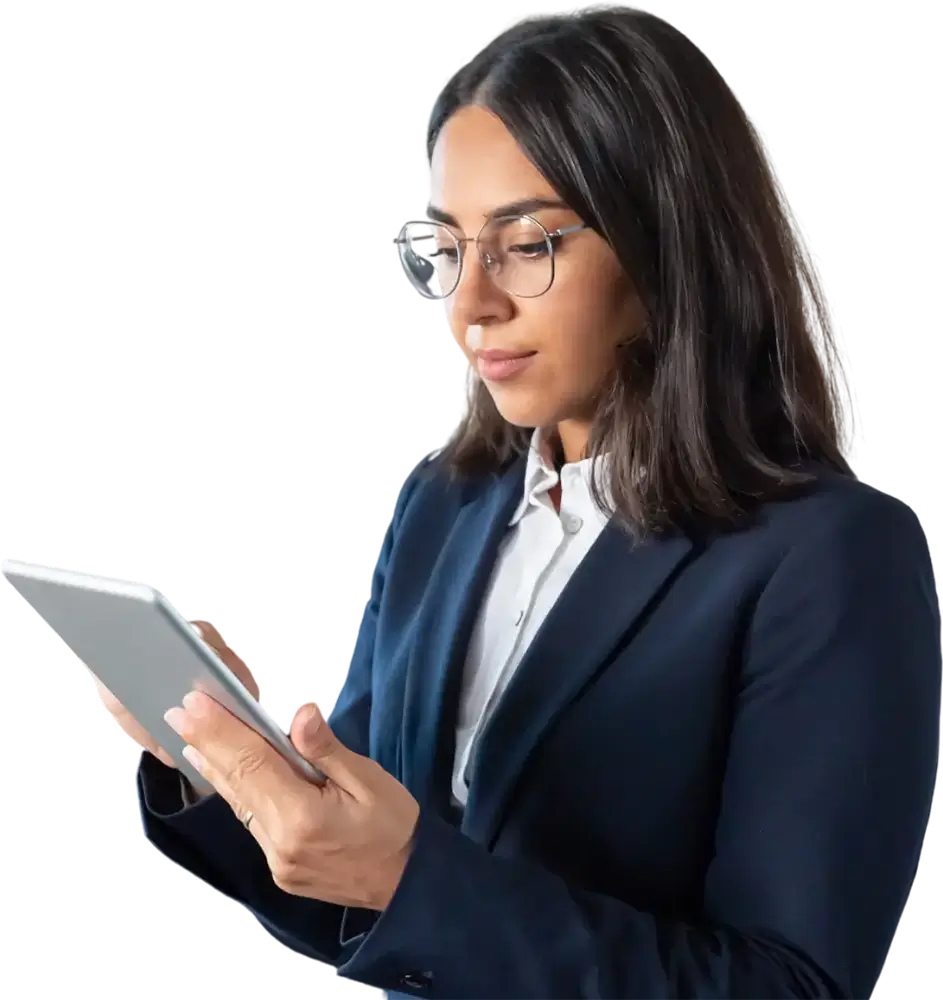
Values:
[(832, 763), (208, 840)]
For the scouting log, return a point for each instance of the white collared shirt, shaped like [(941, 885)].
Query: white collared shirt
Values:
[(538, 555)]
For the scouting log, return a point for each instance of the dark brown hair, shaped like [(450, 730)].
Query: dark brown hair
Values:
[(731, 391)]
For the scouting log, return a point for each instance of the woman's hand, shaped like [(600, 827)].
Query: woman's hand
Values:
[(136, 731), (131, 726), (345, 842)]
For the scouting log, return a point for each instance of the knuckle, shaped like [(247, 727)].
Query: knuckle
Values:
[(284, 871), (286, 885), (292, 835), (247, 762), (292, 848)]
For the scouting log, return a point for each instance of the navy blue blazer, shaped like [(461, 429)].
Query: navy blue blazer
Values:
[(710, 776)]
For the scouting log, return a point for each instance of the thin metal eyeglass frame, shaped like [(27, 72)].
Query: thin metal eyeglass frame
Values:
[(462, 240)]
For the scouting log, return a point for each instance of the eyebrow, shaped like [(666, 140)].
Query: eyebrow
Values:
[(526, 206)]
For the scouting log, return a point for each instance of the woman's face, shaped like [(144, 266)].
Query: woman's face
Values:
[(571, 331)]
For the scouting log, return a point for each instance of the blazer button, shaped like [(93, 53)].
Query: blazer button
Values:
[(417, 980)]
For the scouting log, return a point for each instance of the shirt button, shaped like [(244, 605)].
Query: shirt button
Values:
[(572, 523), (416, 980)]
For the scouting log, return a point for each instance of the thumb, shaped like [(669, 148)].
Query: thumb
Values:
[(314, 740)]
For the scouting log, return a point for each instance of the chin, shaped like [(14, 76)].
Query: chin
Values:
[(532, 400), (520, 413)]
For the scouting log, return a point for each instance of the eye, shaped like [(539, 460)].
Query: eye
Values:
[(449, 253), (532, 251)]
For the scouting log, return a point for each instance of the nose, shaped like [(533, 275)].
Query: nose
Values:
[(477, 300)]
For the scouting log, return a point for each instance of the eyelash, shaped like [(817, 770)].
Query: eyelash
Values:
[(535, 250)]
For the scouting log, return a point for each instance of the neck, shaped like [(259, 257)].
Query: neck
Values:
[(573, 438)]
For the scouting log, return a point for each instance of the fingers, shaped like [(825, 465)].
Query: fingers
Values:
[(131, 726), (214, 640), (235, 663), (218, 780), (253, 771), (144, 739)]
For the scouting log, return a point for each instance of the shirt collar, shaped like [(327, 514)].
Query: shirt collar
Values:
[(540, 476)]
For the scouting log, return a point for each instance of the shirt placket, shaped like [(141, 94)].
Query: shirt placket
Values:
[(526, 597)]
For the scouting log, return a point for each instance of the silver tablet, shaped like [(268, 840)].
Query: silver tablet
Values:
[(145, 652)]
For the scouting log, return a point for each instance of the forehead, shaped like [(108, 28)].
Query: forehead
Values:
[(478, 165)]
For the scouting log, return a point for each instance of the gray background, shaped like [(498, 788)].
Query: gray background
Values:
[(214, 436)]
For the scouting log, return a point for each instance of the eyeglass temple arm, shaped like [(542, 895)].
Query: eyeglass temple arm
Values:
[(568, 229)]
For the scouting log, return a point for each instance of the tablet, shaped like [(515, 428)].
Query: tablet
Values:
[(146, 653)]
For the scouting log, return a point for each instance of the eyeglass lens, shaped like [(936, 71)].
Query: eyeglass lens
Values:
[(516, 252)]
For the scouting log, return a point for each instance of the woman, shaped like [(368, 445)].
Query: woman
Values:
[(645, 700)]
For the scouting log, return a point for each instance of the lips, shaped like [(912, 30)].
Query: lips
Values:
[(504, 355), (501, 366)]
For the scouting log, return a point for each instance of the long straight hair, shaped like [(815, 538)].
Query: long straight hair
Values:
[(730, 392)]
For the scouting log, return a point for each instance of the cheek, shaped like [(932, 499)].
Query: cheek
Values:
[(455, 333), (580, 345)]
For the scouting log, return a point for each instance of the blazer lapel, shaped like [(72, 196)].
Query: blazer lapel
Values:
[(612, 587), (443, 628)]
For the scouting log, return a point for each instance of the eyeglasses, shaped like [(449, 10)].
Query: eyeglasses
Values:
[(516, 251)]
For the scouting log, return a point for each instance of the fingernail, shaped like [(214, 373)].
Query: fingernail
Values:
[(196, 628), (195, 703), (194, 756), (175, 718)]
